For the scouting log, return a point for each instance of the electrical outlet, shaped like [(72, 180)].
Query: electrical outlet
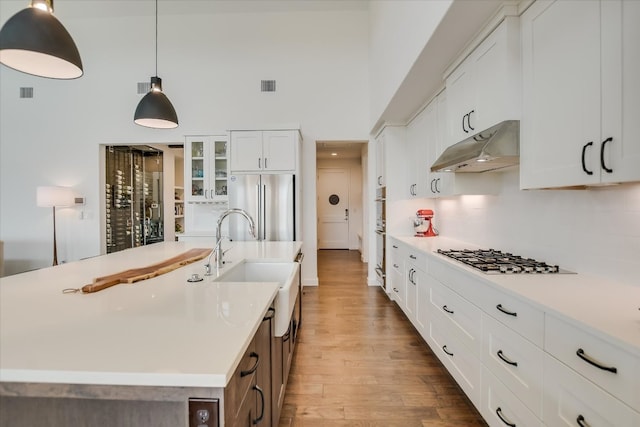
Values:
[(203, 412)]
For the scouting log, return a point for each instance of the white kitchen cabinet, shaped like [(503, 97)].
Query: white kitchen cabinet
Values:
[(603, 363), (484, 89), (421, 136), (396, 254), (264, 151), (206, 168), (579, 124), (462, 364), (415, 264), (464, 317), (515, 361), (391, 162), (500, 407), (570, 400)]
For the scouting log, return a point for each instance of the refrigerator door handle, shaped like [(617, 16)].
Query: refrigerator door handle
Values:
[(263, 213), (258, 224)]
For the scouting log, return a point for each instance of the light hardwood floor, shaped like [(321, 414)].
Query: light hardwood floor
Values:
[(360, 362)]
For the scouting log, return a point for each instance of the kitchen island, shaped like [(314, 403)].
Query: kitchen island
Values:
[(132, 354)]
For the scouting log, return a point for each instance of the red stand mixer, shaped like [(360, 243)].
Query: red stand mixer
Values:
[(422, 224)]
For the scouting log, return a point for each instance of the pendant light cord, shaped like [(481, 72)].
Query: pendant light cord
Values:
[(156, 38)]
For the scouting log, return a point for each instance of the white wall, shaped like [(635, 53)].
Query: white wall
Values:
[(595, 231), (211, 66), (399, 30)]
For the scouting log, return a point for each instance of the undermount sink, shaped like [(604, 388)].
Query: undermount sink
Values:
[(286, 274)]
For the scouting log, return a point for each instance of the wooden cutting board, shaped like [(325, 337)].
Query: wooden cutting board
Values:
[(137, 274)]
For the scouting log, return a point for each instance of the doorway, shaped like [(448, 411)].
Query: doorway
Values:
[(339, 194), (333, 208)]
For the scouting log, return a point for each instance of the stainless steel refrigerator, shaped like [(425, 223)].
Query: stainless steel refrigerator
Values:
[(271, 202)]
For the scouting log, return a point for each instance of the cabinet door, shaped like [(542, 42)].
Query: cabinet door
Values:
[(422, 136), (197, 169), (500, 407), (246, 151), (411, 294), (460, 104), (263, 342), (380, 142), (561, 124), (621, 95), (496, 77), (570, 400), (422, 302), (279, 150)]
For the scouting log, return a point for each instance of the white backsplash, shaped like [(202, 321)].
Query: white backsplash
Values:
[(594, 231)]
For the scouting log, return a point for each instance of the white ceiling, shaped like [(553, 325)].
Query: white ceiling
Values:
[(343, 149)]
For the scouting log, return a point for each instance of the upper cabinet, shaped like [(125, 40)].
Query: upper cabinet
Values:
[(484, 89), (205, 172), (581, 94), (264, 151), (391, 161)]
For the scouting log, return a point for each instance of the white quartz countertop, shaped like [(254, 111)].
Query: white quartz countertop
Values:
[(610, 310), (162, 331)]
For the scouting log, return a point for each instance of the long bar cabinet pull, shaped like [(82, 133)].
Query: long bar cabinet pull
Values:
[(261, 393), (584, 356), (445, 308), (503, 419), (250, 371), (602, 163), (510, 313), (582, 422), (505, 359), (584, 152)]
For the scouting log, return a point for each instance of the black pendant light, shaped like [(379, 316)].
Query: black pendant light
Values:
[(35, 42), (155, 109)]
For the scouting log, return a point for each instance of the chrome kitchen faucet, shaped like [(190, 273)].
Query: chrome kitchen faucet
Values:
[(217, 250)]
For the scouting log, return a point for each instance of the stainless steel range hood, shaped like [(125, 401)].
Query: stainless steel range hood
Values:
[(492, 149)]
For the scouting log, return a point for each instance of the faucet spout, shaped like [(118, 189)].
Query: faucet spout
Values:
[(218, 248)]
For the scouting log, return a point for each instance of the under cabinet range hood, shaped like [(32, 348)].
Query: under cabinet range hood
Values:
[(492, 149)]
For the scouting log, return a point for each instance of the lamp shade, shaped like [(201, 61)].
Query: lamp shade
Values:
[(35, 42), (54, 196), (155, 110)]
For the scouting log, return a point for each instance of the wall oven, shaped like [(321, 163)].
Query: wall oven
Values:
[(381, 230)]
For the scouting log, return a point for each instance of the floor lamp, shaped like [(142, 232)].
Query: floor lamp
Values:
[(54, 197)]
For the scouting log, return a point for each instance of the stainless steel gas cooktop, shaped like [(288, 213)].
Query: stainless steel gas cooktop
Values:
[(490, 261)]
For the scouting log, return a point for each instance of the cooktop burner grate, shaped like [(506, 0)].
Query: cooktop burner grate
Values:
[(491, 261)]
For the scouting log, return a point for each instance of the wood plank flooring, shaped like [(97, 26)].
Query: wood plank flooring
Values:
[(359, 361)]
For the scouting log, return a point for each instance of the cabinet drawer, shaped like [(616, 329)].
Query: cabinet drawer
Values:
[(516, 314), (569, 397), (461, 363), (564, 341), (501, 407), (463, 317), (239, 385), (417, 258), (515, 361)]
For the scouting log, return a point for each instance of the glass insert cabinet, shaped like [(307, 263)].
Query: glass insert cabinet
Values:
[(206, 168)]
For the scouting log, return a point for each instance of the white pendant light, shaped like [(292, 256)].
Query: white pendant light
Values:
[(155, 110), (33, 41)]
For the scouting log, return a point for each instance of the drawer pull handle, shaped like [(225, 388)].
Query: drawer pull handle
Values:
[(582, 355), (581, 421), (395, 247), (412, 256), (445, 308), (287, 334), (510, 313), (505, 359), (395, 289), (253, 354), (503, 419), (444, 348), (261, 393)]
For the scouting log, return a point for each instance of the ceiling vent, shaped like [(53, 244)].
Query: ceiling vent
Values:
[(268, 86), (26, 92), (143, 87)]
